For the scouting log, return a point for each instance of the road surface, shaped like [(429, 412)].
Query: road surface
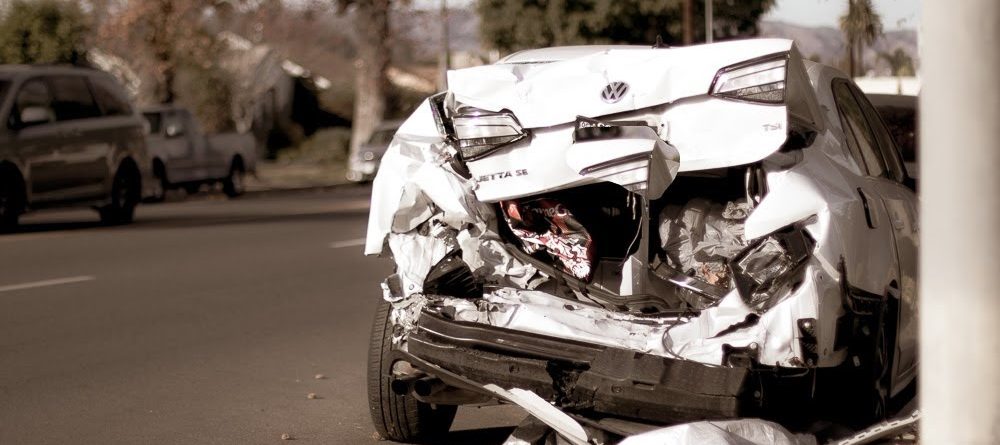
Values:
[(205, 321)]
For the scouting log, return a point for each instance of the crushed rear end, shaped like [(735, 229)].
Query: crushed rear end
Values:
[(614, 250)]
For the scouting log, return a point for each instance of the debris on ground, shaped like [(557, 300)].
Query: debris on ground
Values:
[(312, 396), (286, 436), (319, 377)]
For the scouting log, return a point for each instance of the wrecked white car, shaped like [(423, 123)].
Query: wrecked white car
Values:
[(643, 236)]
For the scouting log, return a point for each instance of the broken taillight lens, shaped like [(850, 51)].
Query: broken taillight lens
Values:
[(769, 266), (759, 80), (480, 132)]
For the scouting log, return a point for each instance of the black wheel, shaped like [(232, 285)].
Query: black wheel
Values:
[(233, 185), (399, 418), (11, 200), (125, 193)]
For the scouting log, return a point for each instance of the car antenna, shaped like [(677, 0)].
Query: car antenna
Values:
[(659, 42)]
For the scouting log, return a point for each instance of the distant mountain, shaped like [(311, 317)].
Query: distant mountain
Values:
[(828, 45)]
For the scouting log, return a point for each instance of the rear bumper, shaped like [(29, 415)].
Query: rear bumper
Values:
[(580, 376)]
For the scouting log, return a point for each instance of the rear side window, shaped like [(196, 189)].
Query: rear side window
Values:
[(33, 93), (859, 136), (111, 102), (72, 99), (890, 154)]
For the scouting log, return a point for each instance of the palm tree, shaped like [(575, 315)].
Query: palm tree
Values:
[(861, 26), (899, 62)]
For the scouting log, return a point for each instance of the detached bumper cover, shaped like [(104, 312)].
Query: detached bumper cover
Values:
[(580, 376)]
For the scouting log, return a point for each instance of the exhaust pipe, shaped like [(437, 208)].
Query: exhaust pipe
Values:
[(402, 385), (428, 386)]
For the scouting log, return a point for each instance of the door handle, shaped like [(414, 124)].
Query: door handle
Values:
[(870, 214)]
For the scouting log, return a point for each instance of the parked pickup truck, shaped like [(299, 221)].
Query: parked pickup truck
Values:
[(184, 157)]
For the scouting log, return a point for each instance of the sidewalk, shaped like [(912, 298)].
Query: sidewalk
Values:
[(274, 176)]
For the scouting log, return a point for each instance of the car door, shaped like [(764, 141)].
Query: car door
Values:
[(178, 150), (86, 149), (901, 205), (891, 212), (37, 141)]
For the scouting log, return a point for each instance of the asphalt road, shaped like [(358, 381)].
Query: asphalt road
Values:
[(205, 321)]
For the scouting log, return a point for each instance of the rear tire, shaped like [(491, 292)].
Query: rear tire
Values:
[(11, 200), (401, 418), (125, 194)]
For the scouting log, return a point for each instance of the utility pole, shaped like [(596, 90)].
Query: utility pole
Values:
[(959, 221), (444, 59), (709, 28), (687, 24)]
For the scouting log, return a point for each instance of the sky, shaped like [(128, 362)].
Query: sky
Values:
[(896, 14)]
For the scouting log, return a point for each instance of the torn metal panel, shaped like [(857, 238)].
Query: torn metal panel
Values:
[(537, 407), (552, 160)]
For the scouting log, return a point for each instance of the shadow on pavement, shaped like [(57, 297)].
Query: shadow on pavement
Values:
[(485, 436)]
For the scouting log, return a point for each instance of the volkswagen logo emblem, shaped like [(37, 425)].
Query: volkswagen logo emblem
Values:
[(614, 92)]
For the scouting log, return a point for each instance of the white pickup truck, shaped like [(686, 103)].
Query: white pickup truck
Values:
[(183, 157)]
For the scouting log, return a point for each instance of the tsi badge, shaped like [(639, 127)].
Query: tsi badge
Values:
[(502, 175)]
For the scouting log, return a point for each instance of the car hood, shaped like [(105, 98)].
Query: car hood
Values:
[(543, 94)]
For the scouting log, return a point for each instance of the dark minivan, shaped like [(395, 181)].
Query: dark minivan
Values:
[(69, 137)]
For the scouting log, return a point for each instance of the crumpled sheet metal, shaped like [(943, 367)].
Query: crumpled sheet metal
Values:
[(425, 211), (692, 338), (722, 432)]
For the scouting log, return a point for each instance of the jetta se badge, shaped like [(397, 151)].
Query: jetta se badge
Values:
[(614, 92)]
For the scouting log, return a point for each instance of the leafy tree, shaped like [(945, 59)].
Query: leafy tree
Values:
[(43, 31), (900, 63), (166, 39), (519, 24), (861, 25)]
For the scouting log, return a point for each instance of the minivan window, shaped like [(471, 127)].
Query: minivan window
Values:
[(33, 93), (72, 99), (111, 102)]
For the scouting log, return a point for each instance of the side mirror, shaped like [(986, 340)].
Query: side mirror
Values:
[(35, 115), (174, 130)]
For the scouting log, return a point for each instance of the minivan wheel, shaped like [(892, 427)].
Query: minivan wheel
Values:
[(233, 185), (125, 193), (401, 418), (11, 202)]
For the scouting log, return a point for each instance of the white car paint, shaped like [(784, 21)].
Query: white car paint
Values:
[(818, 186)]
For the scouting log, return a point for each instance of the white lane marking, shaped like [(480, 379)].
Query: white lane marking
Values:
[(347, 243), (44, 283)]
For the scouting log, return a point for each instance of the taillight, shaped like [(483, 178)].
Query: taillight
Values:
[(480, 132), (759, 80)]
